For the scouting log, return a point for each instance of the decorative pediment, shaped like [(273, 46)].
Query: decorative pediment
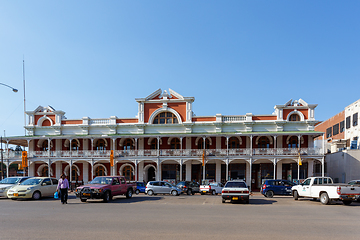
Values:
[(295, 103), (41, 109), (160, 94)]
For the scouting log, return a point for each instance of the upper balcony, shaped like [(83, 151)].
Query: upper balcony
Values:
[(210, 153)]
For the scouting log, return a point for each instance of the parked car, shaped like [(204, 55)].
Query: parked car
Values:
[(161, 187), (213, 188), (276, 187), (35, 188), (105, 188), (9, 182), (326, 190), (235, 190), (140, 187), (189, 187), (355, 182)]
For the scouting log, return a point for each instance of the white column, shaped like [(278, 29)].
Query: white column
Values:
[(58, 166), (181, 164), (158, 175), (136, 170), (227, 169), (248, 173), (31, 169), (279, 170), (323, 167), (188, 171), (85, 172), (141, 171), (274, 162), (311, 168), (70, 172), (49, 168), (7, 169), (218, 171)]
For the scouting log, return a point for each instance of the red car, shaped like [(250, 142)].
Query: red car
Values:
[(105, 187)]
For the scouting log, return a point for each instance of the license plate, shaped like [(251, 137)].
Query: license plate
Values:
[(16, 194), (235, 198), (204, 191), (351, 196), (86, 194)]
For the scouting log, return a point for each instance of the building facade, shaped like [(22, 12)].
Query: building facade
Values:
[(167, 141)]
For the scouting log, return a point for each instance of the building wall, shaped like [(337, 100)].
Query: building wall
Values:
[(353, 132), (344, 166), (329, 123)]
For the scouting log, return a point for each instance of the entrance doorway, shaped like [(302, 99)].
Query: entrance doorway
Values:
[(151, 174)]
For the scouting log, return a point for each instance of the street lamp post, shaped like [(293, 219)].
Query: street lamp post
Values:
[(2, 161)]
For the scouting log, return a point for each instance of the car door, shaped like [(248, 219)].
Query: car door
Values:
[(287, 187), (46, 188), (116, 187), (167, 188), (305, 188), (156, 187)]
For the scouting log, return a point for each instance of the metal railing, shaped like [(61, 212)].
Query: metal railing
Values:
[(169, 153)]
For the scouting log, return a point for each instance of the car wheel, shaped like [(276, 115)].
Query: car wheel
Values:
[(189, 192), (202, 193), (223, 200), (137, 191), (324, 198), (150, 192), (36, 195), (296, 195), (106, 196), (347, 202), (174, 193), (129, 193), (269, 194), (213, 192), (83, 199)]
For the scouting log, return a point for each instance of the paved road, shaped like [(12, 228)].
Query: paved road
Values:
[(181, 217)]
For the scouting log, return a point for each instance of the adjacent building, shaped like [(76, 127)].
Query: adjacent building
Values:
[(167, 141)]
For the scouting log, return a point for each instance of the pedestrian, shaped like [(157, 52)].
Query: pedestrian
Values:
[(63, 186)]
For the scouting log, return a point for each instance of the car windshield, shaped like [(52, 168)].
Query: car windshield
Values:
[(31, 181), (101, 180), (10, 181), (235, 185), (140, 184)]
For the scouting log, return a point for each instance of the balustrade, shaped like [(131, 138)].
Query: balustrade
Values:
[(169, 152)]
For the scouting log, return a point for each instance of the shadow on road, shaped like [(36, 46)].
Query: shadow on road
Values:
[(262, 201)]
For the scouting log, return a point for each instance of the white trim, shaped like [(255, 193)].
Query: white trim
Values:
[(122, 168), (41, 167), (97, 139), (164, 109), (198, 138), (238, 137), (98, 165), (67, 168), (121, 142), (257, 139), (301, 139), (300, 114), (151, 139), (67, 142), (42, 119)]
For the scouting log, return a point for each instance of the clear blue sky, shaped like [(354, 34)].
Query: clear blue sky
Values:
[(93, 58)]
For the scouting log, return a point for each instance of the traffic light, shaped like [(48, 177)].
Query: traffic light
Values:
[(24, 162), (112, 158)]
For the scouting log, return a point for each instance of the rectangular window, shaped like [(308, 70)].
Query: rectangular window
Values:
[(355, 119), (336, 129), (348, 122), (342, 126), (328, 132)]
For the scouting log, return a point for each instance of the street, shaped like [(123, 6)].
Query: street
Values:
[(178, 217)]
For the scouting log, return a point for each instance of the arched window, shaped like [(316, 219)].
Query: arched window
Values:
[(293, 142), (44, 146), (175, 143), (264, 142), (74, 145), (100, 145), (128, 144), (153, 144), (44, 172), (294, 117), (201, 143), (165, 118), (234, 142), (100, 171), (128, 173)]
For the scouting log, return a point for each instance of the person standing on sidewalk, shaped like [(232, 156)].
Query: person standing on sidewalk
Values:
[(63, 186)]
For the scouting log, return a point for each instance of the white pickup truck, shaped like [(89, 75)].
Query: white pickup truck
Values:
[(326, 190), (212, 188)]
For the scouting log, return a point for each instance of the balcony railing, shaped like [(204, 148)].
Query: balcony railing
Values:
[(169, 153)]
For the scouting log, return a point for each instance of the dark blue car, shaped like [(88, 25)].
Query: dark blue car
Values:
[(140, 187), (276, 187)]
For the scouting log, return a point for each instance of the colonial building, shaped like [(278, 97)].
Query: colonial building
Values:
[(168, 141)]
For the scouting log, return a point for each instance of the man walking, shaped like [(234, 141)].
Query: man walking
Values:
[(63, 185)]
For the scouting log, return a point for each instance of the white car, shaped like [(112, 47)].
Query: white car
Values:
[(213, 188), (8, 183), (235, 190)]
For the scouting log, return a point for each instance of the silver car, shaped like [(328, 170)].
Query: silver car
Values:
[(161, 187), (8, 183)]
